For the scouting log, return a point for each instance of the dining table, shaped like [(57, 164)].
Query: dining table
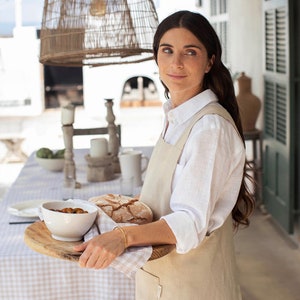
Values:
[(29, 275)]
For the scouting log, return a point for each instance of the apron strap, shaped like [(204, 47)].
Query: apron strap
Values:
[(212, 108)]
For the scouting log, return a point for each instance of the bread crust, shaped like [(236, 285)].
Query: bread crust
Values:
[(123, 209)]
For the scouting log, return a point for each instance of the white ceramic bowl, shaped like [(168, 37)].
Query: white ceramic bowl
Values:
[(68, 226), (51, 164)]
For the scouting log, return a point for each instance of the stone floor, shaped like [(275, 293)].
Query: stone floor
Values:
[(268, 261)]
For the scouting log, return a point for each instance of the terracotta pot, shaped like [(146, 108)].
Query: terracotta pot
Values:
[(249, 104)]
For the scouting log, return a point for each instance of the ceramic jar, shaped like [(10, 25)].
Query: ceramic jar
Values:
[(249, 104)]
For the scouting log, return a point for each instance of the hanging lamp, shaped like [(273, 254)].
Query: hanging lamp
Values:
[(97, 32)]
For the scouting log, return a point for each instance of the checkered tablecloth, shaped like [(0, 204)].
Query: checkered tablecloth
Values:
[(27, 275)]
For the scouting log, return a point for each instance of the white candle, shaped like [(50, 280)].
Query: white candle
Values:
[(67, 115), (99, 147)]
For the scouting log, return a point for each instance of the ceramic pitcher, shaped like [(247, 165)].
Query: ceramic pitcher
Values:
[(133, 164)]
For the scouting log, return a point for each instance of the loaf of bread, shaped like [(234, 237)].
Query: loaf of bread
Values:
[(123, 209)]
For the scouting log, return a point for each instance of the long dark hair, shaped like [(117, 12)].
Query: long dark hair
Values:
[(219, 80)]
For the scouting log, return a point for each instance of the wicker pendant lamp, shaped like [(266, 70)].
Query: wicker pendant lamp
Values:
[(97, 32)]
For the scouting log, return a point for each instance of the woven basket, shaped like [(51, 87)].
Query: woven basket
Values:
[(97, 32)]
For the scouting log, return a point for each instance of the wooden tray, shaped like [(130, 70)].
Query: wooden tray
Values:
[(38, 238)]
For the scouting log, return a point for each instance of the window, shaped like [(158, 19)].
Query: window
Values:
[(198, 3), (275, 40), (219, 20), (276, 65)]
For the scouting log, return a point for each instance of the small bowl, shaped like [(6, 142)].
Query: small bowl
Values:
[(51, 164), (68, 227)]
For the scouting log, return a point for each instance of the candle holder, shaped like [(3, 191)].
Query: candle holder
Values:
[(67, 120), (69, 167), (99, 168), (113, 141)]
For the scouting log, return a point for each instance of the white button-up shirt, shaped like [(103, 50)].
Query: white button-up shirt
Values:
[(208, 176)]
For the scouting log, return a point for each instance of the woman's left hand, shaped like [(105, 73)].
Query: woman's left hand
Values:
[(100, 251)]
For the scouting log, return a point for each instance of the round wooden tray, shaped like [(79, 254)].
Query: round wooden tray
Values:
[(38, 238)]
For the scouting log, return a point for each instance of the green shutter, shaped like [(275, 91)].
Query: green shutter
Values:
[(277, 171)]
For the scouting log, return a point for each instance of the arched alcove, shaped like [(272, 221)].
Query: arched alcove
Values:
[(139, 91)]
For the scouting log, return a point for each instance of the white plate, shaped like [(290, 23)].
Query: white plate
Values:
[(27, 209)]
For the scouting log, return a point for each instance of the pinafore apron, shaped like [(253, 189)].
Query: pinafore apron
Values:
[(207, 272)]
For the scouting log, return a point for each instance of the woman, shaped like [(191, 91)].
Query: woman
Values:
[(195, 182)]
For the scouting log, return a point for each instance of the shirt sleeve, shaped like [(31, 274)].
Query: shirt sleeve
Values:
[(206, 181)]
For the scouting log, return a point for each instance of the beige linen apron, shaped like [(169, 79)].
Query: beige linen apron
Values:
[(207, 272)]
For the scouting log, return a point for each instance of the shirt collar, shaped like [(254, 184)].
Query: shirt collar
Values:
[(186, 110)]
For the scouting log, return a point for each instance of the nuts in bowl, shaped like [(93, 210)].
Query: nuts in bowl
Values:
[(68, 220), (50, 160)]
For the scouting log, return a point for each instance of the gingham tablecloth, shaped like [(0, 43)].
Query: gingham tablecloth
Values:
[(27, 275)]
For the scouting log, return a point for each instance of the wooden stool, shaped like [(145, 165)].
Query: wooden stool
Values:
[(14, 150), (255, 137)]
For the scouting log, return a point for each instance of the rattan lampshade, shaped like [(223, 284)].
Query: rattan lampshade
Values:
[(97, 32)]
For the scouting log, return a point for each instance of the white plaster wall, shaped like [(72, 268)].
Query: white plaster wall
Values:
[(166, 7), (108, 81), (246, 43), (21, 73)]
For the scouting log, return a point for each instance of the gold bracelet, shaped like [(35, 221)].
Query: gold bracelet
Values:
[(124, 235)]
